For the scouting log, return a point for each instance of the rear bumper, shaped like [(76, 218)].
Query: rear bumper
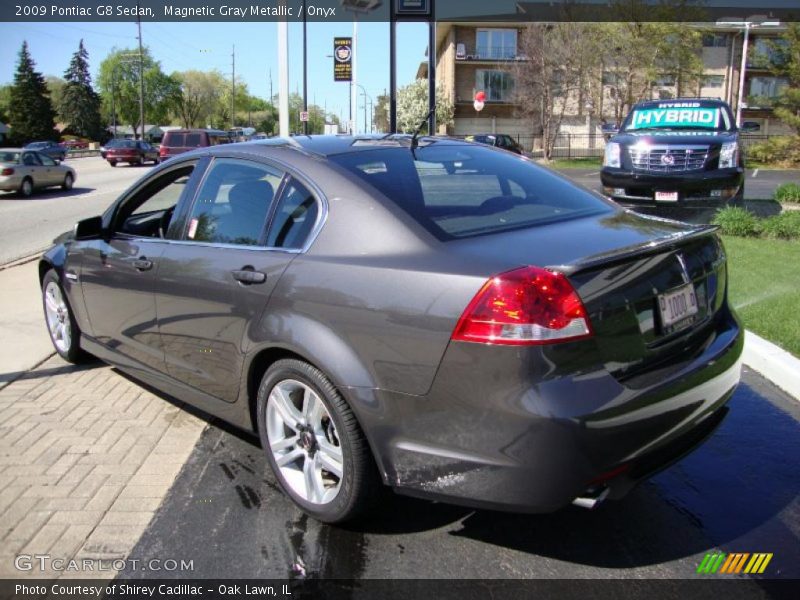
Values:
[(503, 429), (10, 183), (701, 189)]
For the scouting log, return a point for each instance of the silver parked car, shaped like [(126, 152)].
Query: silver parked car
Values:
[(24, 171)]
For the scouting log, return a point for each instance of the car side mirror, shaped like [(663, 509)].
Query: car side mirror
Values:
[(609, 128), (749, 126), (89, 229)]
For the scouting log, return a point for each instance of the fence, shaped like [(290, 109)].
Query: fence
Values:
[(591, 145)]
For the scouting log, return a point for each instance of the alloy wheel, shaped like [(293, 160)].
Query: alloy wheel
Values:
[(57, 314), (304, 442)]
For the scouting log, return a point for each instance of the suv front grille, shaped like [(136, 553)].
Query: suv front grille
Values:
[(668, 159)]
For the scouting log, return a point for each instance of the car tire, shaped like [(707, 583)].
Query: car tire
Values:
[(64, 331), (301, 414), (26, 188), (156, 160), (69, 180), (113, 163), (738, 199)]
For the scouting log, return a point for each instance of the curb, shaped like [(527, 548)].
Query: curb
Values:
[(18, 262), (774, 363)]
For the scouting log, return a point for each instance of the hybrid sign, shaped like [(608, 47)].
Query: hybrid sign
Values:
[(343, 59), (707, 118)]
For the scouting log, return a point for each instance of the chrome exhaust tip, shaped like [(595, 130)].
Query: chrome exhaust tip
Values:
[(593, 497)]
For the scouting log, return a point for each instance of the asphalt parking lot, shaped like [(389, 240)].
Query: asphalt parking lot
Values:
[(737, 493)]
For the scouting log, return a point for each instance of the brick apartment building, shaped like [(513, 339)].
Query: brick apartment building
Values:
[(474, 56)]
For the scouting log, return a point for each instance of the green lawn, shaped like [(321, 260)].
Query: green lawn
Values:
[(575, 163), (764, 284)]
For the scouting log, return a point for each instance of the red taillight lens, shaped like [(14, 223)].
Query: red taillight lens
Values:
[(7, 172), (162, 151), (525, 306)]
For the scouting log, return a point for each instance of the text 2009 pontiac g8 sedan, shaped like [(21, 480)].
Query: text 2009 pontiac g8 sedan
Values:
[(438, 316)]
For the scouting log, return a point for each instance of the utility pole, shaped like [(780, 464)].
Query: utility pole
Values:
[(233, 87), (392, 70), (141, 71), (270, 87)]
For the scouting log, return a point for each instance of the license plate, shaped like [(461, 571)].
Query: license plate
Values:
[(666, 196), (677, 306)]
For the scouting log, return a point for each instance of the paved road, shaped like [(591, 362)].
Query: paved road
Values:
[(29, 225), (737, 493)]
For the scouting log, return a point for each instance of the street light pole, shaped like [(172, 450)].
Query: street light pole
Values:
[(742, 69), (141, 70)]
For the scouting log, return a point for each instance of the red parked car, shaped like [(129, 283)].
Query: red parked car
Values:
[(133, 152), (75, 144)]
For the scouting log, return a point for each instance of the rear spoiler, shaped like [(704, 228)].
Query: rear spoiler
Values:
[(621, 255)]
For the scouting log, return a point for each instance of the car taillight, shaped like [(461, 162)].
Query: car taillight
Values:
[(162, 151), (525, 306), (7, 172)]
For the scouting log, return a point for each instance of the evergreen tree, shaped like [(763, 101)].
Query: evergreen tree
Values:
[(31, 114), (80, 104)]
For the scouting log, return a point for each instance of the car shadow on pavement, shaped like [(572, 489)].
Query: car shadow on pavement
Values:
[(43, 373)]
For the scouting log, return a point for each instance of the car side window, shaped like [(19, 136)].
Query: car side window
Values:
[(46, 160), (149, 212), (233, 202), (30, 159), (295, 217)]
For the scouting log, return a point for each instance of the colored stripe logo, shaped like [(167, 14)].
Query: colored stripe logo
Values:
[(735, 562)]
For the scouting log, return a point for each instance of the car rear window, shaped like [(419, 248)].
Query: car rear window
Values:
[(174, 139), (193, 140), (458, 191)]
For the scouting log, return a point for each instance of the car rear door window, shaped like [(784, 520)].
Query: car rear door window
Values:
[(175, 139), (233, 202), (193, 140), (46, 160), (295, 217)]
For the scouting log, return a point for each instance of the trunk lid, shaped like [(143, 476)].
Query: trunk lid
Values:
[(621, 265)]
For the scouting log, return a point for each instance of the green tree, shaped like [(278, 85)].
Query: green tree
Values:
[(5, 102), (80, 104), (31, 114), (199, 97), (380, 118), (786, 63), (412, 106), (119, 87), (55, 87)]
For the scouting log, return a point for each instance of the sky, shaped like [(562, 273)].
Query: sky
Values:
[(207, 46)]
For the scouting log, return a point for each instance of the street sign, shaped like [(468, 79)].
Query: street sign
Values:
[(343, 59), (303, 116), (413, 7)]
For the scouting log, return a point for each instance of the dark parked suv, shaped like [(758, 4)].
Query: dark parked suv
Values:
[(683, 152)]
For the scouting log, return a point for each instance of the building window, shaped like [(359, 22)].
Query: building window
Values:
[(496, 44), (664, 81), (612, 78), (713, 81), (498, 85), (766, 53), (715, 40), (767, 87)]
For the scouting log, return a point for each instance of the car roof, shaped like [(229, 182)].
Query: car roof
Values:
[(330, 145)]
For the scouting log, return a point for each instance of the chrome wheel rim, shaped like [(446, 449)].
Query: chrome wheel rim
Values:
[(57, 313), (304, 443), (68, 182), (27, 188)]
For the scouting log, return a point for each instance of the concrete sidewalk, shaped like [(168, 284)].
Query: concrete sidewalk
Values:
[(86, 458), (26, 341)]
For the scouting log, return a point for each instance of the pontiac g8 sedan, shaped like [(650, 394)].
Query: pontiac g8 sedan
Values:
[(436, 316)]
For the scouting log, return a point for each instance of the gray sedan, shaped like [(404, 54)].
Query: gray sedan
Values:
[(24, 171), (440, 317)]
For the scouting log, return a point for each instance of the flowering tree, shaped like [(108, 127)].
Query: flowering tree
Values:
[(412, 106)]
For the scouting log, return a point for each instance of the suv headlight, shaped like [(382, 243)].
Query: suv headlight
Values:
[(729, 155), (612, 155)]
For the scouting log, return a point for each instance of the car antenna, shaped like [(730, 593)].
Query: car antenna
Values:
[(418, 130)]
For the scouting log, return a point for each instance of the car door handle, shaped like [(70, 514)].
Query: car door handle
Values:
[(142, 264), (249, 276)]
